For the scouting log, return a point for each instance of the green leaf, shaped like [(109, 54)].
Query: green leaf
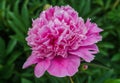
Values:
[(104, 52), (2, 47), (24, 80), (90, 79), (15, 29), (105, 34), (99, 2), (25, 14), (53, 2), (56, 79), (7, 71), (3, 8), (86, 8), (107, 5), (105, 76), (16, 21), (42, 79), (11, 45), (27, 74), (18, 38), (96, 11), (16, 9), (106, 45), (116, 57), (78, 79), (81, 6), (112, 81), (14, 56)]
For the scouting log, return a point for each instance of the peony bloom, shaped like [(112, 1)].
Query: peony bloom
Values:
[(60, 40)]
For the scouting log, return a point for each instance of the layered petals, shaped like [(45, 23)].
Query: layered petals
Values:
[(41, 67), (91, 39), (92, 35), (61, 67), (33, 59), (86, 52)]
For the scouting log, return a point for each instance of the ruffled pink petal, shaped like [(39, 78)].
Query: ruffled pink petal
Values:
[(86, 52), (92, 35), (61, 67), (92, 27), (91, 39), (41, 67), (49, 13), (33, 59)]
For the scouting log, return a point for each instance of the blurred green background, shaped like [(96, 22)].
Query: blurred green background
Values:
[(15, 19)]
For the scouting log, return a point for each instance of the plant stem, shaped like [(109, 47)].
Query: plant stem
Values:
[(71, 80)]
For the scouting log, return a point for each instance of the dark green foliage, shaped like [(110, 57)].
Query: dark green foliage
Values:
[(15, 19)]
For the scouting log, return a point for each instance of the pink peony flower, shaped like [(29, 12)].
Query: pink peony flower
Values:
[(60, 40)]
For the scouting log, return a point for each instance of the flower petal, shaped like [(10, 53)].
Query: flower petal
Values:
[(92, 36), (92, 27), (33, 59), (41, 67), (86, 52), (91, 39), (61, 67)]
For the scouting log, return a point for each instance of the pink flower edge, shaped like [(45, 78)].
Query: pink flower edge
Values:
[(59, 66)]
